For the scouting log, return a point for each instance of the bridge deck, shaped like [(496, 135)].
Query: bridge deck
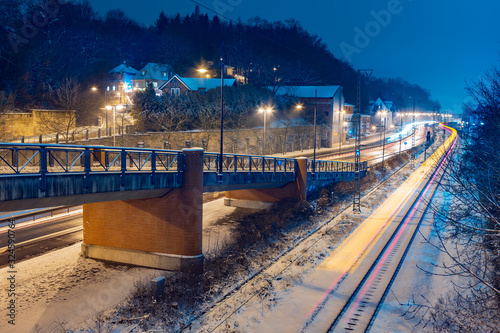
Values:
[(33, 175)]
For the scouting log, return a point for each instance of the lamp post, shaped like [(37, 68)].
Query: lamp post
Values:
[(114, 108), (383, 113), (344, 130), (203, 71), (315, 135), (221, 114), (264, 111), (95, 89), (340, 132), (413, 134)]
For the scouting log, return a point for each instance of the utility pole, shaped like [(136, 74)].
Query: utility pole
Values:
[(356, 118), (412, 155), (221, 114), (413, 135), (314, 150)]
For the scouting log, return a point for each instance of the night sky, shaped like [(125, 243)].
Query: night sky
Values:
[(437, 44)]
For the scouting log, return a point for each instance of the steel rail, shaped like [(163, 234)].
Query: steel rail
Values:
[(354, 309)]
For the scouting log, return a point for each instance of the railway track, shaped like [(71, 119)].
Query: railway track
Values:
[(361, 309), (253, 287)]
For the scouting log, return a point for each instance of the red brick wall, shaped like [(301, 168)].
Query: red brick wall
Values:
[(171, 225)]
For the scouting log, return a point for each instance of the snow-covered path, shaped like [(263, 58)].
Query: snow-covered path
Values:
[(61, 290)]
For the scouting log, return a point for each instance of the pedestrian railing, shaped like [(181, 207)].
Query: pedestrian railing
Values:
[(44, 159), (334, 166), (36, 158), (248, 163)]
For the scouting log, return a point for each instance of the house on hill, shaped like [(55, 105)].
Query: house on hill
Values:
[(349, 126), (183, 85), (330, 104), (381, 112), (119, 84), (152, 74)]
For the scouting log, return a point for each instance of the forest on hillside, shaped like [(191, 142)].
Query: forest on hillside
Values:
[(45, 44)]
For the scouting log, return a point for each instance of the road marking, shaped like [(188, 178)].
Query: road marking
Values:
[(43, 220), (45, 237)]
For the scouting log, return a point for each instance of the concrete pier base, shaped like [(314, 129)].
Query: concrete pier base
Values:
[(163, 261)]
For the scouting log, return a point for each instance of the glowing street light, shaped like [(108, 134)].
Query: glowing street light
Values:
[(265, 111), (383, 118), (118, 107)]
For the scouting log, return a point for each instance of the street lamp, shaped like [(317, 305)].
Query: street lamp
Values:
[(118, 107), (344, 129), (203, 72), (315, 111), (265, 112), (340, 129), (383, 113)]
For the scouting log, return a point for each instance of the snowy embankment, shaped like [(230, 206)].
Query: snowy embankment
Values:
[(60, 290)]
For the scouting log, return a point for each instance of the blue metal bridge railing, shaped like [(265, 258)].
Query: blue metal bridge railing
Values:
[(248, 163), (46, 159)]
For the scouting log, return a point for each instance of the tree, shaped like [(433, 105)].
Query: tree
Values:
[(174, 116), (468, 232), (208, 117), (7, 101), (60, 122), (68, 95), (146, 106)]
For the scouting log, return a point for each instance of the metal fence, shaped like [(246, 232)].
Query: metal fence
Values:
[(51, 158), (248, 163), (43, 159), (333, 166)]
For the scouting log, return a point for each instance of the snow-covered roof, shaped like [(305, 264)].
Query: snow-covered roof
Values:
[(308, 91), (153, 71), (194, 83), (197, 83), (380, 104), (123, 68)]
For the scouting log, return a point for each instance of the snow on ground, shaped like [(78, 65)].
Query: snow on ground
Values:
[(414, 284), (215, 233), (61, 290), (251, 307)]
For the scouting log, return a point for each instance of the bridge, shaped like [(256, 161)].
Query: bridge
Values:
[(144, 206)]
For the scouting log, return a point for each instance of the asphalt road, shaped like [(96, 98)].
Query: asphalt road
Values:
[(36, 238)]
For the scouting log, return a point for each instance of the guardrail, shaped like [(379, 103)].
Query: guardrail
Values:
[(44, 159), (333, 166), (248, 163)]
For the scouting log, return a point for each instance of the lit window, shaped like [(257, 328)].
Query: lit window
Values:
[(155, 84), (137, 85), (164, 73), (143, 73), (114, 88), (107, 88), (175, 91)]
